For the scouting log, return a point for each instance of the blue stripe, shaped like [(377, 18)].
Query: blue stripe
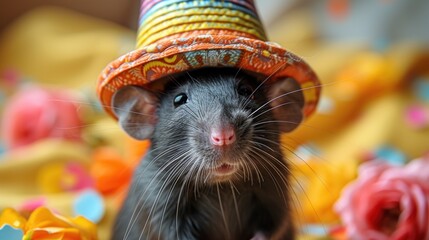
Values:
[(193, 4)]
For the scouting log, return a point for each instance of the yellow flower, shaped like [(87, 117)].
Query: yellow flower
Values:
[(43, 224), (11, 217)]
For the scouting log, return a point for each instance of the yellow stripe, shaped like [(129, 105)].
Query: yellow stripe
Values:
[(171, 59), (161, 16), (213, 19), (197, 26), (158, 25), (159, 63), (179, 8)]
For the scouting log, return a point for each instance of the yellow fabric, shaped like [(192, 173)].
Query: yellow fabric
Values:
[(20, 172), (369, 115), (369, 91), (56, 47), (59, 47)]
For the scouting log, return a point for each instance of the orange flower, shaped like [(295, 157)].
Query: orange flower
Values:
[(110, 171)]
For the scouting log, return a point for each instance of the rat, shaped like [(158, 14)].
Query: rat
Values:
[(215, 169)]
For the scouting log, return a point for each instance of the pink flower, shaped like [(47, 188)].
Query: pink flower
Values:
[(36, 113), (387, 202)]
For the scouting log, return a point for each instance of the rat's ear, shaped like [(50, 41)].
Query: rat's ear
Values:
[(287, 102), (135, 109)]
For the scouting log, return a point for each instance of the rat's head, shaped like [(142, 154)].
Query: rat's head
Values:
[(211, 125)]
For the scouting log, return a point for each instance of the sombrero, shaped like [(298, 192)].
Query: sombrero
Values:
[(175, 36)]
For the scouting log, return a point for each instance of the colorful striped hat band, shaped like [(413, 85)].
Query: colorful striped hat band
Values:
[(178, 35), (176, 19)]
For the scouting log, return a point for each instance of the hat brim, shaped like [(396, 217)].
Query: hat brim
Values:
[(144, 66)]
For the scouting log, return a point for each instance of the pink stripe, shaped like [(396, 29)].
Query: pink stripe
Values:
[(245, 3), (146, 5)]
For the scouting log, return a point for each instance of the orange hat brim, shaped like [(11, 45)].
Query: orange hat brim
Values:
[(144, 66)]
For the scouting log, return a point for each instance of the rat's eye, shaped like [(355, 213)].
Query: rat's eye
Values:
[(245, 90), (180, 99)]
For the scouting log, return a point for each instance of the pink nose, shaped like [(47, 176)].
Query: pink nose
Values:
[(222, 137)]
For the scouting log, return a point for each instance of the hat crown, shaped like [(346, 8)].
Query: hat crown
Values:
[(176, 36), (175, 19)]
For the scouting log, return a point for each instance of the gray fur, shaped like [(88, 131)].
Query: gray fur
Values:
[(174, 195)]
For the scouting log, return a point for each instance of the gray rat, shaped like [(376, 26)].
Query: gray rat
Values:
[(215, 169)]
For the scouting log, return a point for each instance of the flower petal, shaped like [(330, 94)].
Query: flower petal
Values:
[(11, 217)]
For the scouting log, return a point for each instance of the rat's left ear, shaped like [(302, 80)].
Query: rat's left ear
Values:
[(287, 102)]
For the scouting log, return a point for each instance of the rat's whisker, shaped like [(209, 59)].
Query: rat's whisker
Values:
[(272, 108), (223, 212), (186, 162), (283, 95), (263, 82), (155, 178)]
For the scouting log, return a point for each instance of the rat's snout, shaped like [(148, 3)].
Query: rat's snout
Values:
[(222, 136)]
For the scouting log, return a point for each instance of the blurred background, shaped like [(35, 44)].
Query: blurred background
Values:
[(58, 149)]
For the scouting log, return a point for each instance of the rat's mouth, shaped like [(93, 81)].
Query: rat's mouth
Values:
[(224, 169)]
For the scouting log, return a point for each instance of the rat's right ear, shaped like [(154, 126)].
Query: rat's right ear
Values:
[(135, 109)]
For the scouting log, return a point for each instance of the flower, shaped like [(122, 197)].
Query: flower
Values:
[(37, 113), (387, 202), (110, 171), (10, 217), (43, 224)]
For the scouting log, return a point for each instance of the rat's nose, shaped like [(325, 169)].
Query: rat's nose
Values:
[(222, 136)]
